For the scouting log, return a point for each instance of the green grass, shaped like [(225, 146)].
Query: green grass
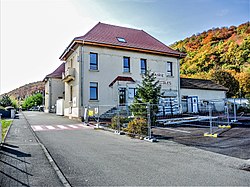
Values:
[(5, 126)]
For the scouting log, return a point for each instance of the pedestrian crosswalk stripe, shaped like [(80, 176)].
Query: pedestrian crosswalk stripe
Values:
[(37, 128), (50, 127), (81, 125), (73, 126), (62, 127)]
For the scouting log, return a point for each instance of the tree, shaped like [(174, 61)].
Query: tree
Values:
[(5, 101), (226, 79), (148, 92), (33, 100)]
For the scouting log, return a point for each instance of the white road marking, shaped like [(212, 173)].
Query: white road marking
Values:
[(50, 127), (62, 127), (81, 125), (73, 126), (176, 130), (37, 128)]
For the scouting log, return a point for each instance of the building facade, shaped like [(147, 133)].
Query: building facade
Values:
[(104, 67), (54, 89)]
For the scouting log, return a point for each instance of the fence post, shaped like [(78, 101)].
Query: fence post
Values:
[(149, 120), (210, 119), (227, 112), (234, 111), (96, 112), (118, 121)]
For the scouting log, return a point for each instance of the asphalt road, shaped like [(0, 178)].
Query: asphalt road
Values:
[(233, 142), (100, 158)]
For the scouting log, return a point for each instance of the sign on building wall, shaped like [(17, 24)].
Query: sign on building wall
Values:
[(159, 75)]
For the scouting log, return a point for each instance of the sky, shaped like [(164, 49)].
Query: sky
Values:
[(34, 33)]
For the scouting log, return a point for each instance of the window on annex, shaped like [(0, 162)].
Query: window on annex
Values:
[(93, 91), (93, 61), (126, 64), (143, 66), (169, 69)]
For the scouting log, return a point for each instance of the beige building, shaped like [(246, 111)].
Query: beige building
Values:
[(104, 67), (54, 89)]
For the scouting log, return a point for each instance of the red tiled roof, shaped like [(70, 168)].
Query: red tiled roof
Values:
[(121, 78), (57, 73), (135, 39)]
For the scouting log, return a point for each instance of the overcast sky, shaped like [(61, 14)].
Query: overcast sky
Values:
[(34, 33)]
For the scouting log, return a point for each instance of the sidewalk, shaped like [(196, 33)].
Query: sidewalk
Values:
[(22, 160)]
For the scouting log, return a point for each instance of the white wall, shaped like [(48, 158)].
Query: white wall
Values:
[(204, 94), (54, 89), (70, 109)]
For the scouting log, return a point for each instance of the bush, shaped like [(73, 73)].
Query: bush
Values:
[(2, 108), (114, 121), (138, 126)]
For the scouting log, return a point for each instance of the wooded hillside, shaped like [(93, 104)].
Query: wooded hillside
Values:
[(219, 52), (26, 90)]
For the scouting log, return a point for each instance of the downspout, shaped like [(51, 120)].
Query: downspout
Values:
[(179, 86), (81, 69), (50, 95)]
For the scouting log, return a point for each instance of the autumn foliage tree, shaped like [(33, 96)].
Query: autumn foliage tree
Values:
[(225, 49), (226, 79)]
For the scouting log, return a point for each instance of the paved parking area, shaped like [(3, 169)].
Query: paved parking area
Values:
[(233, 142)]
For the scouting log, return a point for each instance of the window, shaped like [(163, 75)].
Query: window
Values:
[(121, 39), (169, 69), (93, 61), (93, 91), (71, 93), (143, 66), (126, 64), (131, 93)]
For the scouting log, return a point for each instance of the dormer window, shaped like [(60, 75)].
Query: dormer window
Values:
[(121, 39)]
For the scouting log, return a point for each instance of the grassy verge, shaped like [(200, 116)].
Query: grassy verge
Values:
[(5, 126)]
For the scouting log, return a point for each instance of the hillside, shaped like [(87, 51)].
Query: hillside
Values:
[(26, 90), (225, 49)]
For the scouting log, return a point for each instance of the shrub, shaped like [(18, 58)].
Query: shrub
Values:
[(114, 121), (2, 108), (138, 126)]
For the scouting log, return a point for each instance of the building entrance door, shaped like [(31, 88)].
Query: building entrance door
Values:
[(192, 104), (122, 96)]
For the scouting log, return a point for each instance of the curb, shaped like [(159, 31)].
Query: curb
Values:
[(4, 138), (59, 173)]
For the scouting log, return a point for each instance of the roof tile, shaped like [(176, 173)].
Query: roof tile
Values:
[(107, 34)]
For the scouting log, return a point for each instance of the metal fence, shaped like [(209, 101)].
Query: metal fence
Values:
[(210, 114)]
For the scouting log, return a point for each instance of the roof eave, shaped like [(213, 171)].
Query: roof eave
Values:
[(179, 55), (69, 49), (217, 89)]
